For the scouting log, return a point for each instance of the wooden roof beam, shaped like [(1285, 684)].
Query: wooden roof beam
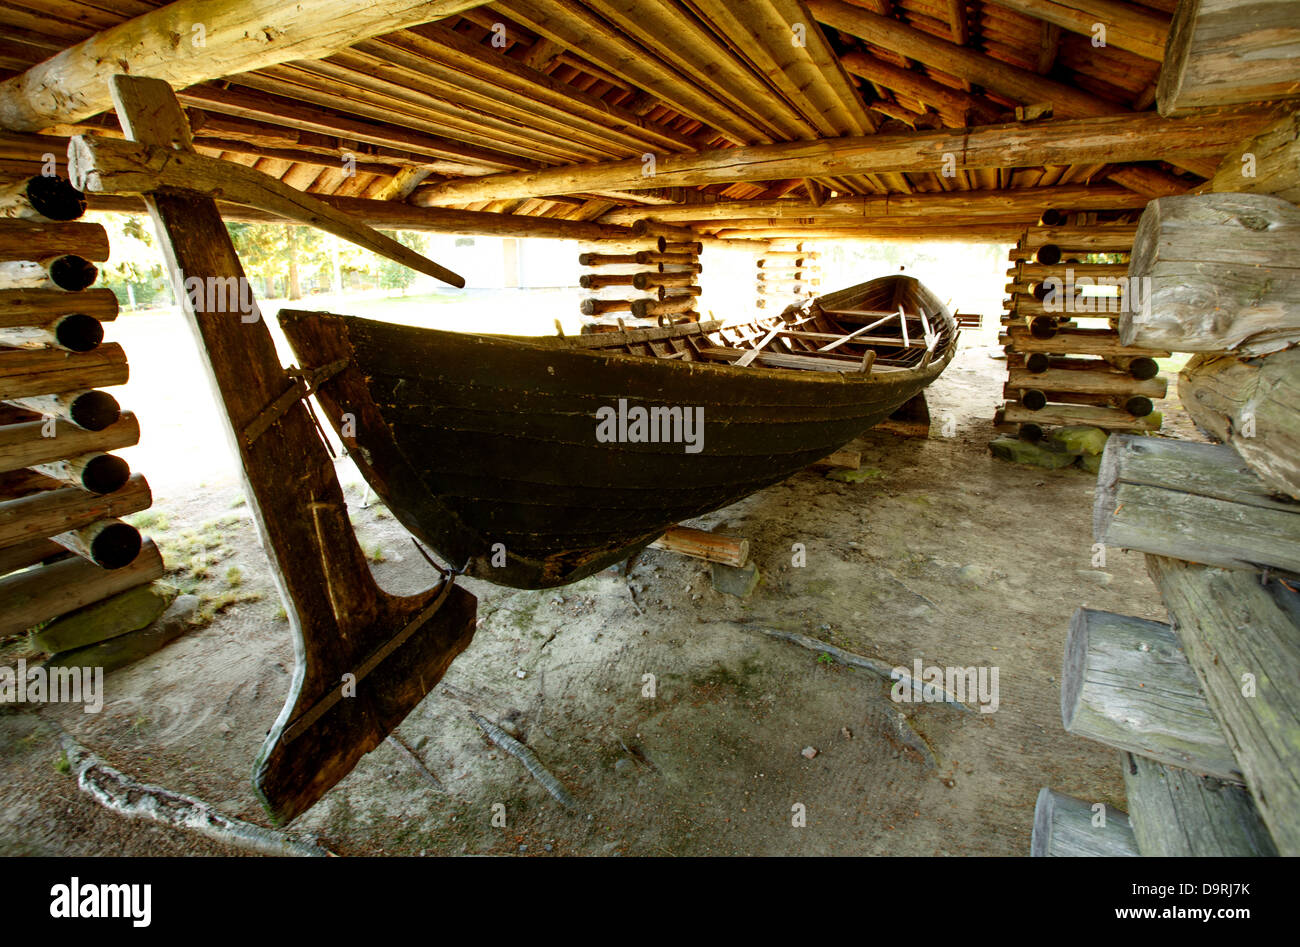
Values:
[(1136, 29), (694, 50), (454, 50), (1148, 181), (577, 28), (1109, 139), (1020, 85), (398, 215), (955, 106), (279, 110), (238, 36), (950, 205)]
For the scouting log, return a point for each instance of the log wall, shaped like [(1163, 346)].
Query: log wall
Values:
[(63, 546)]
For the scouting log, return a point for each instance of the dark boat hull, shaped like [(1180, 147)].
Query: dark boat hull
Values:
[(486, 448)]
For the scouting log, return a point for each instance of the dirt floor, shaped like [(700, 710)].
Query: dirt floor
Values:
[(942, 554)]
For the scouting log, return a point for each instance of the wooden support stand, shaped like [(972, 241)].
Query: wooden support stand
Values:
[(652, 277), (1061, 372), (364, 658), (699, 544)]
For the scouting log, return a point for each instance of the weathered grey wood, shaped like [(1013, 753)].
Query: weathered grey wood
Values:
[(72, 331), (1063, 828), (1252, 404), (1269, 163), (1198, 502), (108, 543), (1242, 636), (91, 409), (68, 272), (1224, 52), (1223, 274), (1127, 683), (1176, 813), (95, 471), (36, 595), (395, 649)]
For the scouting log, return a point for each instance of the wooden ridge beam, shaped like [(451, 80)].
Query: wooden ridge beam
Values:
[(1107, 139), (74, 84)]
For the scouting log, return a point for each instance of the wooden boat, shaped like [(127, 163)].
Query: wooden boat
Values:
[(519, 459)]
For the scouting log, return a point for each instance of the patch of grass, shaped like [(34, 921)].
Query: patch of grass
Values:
[(210, 606), (234, 577), (281, 614), (238, 501), (825, 658), (150, 520), (62, 764), (376, 554)]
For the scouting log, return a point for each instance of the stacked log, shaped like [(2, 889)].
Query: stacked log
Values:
[(63, 545), (788, 275), (653, 276), (1065, 362), (1065, 827), (1206, 704)]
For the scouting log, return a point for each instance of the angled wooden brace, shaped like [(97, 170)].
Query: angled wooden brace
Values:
[(364, 658)]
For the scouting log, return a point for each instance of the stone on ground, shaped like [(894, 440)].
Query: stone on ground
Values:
[(1080, 438), (738, 582), (116, 615), (1041, 454)]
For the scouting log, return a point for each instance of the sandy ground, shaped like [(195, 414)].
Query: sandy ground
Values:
[(947, 556)]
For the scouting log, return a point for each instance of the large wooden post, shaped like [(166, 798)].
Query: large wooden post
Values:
[(364, 659)]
